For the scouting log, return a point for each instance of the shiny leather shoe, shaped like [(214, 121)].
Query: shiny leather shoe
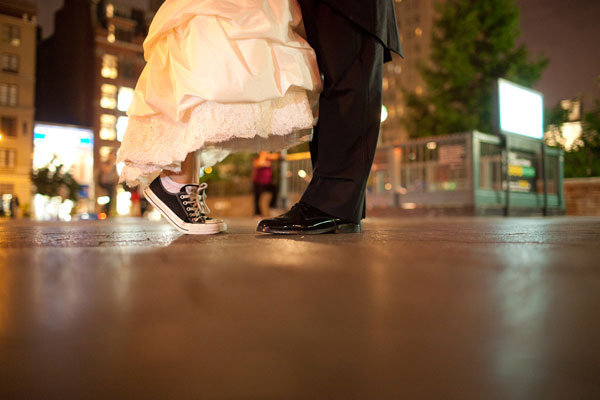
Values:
[(304, 219)]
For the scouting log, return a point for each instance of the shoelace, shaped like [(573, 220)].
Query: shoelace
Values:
[(194, 202), (201, 200)]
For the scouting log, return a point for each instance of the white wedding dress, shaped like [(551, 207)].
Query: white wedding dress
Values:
[(221, 76)]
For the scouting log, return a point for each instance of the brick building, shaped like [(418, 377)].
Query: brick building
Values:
[(18, 27)]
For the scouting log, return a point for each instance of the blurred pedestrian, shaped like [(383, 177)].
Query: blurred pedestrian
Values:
[(262, 179), (352, 40), (135, 202), (212, 87), (14, 206)]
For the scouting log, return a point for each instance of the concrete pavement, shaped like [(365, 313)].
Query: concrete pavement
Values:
[(444, 308)]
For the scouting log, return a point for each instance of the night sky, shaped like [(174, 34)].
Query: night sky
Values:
[(567, 32)]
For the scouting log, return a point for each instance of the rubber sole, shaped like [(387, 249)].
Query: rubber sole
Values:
[(177, 223)]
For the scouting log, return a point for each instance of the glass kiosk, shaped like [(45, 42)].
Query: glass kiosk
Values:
[(508, 173)]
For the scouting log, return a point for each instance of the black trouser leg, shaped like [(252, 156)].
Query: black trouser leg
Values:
[(345, 138)]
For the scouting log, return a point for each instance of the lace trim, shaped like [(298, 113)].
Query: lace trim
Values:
[(154, 143)]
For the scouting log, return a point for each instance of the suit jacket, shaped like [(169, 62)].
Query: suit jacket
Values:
[(377, 17)]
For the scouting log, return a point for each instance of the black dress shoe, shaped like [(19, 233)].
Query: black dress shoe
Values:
[(306, 220)]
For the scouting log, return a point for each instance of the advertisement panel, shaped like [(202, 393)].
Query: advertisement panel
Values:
[(521, 110), (73, 147)]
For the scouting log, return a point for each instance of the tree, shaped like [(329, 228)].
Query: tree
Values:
[(52, 181), (474, 43)]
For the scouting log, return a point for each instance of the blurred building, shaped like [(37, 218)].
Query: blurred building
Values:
[(415, 21), (89, 67), (155, 4), (17, 93)]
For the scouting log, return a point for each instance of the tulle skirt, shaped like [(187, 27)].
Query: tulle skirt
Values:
[(220, 76)]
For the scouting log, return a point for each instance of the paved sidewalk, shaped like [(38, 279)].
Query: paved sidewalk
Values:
[(443, 308)]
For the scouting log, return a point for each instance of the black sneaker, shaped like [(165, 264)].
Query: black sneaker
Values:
[(185, 210)]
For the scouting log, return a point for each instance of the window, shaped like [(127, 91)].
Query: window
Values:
[(107, 127), (392, 113), (385, 84), (110, 66), (108, 97), (8, 126), (8, 95), (11, 34), (111, 33), (125, 98), (110, 10), (105, 152), (25, 127), (8, 158), (121, 127), (128, 70), (10, 62), (123, 35), (6, 188)]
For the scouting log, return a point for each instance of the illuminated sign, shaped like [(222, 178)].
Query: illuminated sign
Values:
[(73, 147), (521, 110)]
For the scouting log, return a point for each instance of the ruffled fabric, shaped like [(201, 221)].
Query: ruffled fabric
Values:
[(156, 142), (219, 74)]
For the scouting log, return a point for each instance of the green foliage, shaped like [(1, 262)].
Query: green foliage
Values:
[(474, 43), (52, 181), (239, 165), (584, 160), (235, 165)]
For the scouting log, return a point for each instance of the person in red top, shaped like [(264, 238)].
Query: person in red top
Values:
[(262, 176)]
